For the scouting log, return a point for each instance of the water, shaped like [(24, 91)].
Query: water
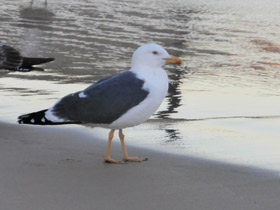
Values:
[(224, 101)]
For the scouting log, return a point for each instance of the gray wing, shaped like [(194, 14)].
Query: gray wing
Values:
[(104, 101), (10, 58)]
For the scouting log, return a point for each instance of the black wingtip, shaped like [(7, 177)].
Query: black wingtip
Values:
[(21, 119), (29, 62), (38, 118), (33, 118)]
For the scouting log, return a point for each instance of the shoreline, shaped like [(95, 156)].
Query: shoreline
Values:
[(58, 168)]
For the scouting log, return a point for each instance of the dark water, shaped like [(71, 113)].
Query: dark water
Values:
[(225, 96)]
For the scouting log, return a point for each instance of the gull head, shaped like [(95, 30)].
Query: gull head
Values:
[(152, 56)]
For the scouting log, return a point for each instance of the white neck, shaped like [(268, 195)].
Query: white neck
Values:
[(155, 79)]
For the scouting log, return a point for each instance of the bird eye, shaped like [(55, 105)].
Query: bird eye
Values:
[(155, 52)]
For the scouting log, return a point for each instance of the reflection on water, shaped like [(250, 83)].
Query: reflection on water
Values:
[(172, 135), (32, 15), (230, 52), (173, 97)]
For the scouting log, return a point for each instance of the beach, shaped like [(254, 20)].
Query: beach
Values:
[(59, 168), (223, 101), (212, 145)]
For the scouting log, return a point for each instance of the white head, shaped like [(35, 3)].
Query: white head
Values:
[(152, 56)]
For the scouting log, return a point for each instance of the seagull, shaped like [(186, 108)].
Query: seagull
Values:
[(11, 59), (119, 101)]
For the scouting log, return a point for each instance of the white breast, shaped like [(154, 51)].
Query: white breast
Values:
[(156, 83)]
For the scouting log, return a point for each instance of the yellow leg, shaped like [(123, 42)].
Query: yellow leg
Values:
[(125, 155), (107, 156)]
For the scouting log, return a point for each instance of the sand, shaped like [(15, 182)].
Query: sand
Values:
[(61, 168)]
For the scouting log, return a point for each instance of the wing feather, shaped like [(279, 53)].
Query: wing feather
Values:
[(104, 101)]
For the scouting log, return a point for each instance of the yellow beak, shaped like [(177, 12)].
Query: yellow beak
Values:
[(173, 60)]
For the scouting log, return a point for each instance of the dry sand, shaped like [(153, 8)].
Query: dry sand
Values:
[(60, 168)]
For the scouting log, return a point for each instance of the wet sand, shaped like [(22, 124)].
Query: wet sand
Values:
[(227, 48), (60, 168)]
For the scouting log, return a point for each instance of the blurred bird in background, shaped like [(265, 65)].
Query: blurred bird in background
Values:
[(11, 59)]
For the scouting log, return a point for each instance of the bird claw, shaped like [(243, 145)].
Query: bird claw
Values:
[(110, 160), (134, 159), (125, 160)]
